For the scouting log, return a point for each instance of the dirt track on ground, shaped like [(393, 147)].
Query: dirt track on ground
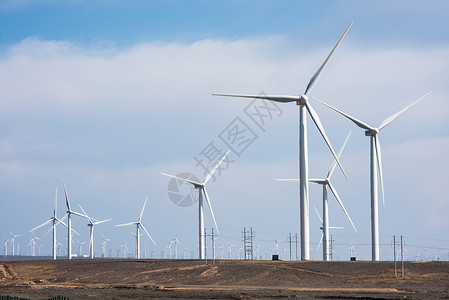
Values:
[(168, 279)]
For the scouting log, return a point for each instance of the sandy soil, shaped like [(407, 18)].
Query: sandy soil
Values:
[(227, 279)]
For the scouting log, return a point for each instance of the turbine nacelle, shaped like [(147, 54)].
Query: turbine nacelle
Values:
[(302, 100), (372, 132)]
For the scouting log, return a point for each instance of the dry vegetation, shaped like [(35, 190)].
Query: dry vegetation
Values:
[(167, 279)]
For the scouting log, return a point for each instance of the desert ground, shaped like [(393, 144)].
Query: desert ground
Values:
[(226, 279)]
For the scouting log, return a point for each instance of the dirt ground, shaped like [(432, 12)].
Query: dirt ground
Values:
[(226, 279)]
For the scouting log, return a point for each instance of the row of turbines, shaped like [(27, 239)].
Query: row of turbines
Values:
[(304, 107), (375, 159), (55, 221)]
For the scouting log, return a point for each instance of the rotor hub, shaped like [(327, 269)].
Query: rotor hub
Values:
[(302, 100), (373, 132)]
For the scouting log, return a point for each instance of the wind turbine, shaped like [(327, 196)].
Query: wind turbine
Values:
[(81, 247), (32, 244), (202, 190), (52, 220), (176, 242), (326, 183), (304, 105), (125, 250), (69, 222), (375, 167), (277, 245), (104, 246), (323, 233), (5, 247), (91, 224), (13, 238), (139, 224)]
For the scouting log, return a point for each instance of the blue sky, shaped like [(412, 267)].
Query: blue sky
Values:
[(108, 94)]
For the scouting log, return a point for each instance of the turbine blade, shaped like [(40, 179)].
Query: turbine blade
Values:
[(317, 74), (66, 197), (317, 121), (56, 200), (143, 208), (84, 212), (80, 215), (379, 165), (43, 224), (391, 118), (334, 163), (319, 181), (321, 240), (356, 121), (276, 98), (332, 227), (341, 204), (294, 180), (127, 224), (183, 179), (210, 207), (143, 227), (99, 222), (319, 217), (215, 168)]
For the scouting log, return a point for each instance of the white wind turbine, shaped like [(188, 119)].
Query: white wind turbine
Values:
[(202, 190), (375, 167), (5, 247), (13, 238), (139, 224), (322, 233), (52, 220), (104, 246), (304, 104), (326, 183), (69, 222), (91, 224), (32, 244)]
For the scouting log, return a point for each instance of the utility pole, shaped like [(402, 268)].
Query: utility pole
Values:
[(296, 241), (394, 252), (213, 247), (248, 239), (289, 238), (402, 258), (205, 245), (332, 249)]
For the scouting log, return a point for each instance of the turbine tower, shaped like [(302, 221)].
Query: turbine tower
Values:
[(91, 224), (139, 224), (304, 104), (375, 167), (326, 183), (202, 190)]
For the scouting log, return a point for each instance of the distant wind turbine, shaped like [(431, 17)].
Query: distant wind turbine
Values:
[(139, 224), (13, 238), (91, 224), (322, 234), (304, 107), (326, 183), (69, 222), (375, 166), (52, 220), (202, 190)]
